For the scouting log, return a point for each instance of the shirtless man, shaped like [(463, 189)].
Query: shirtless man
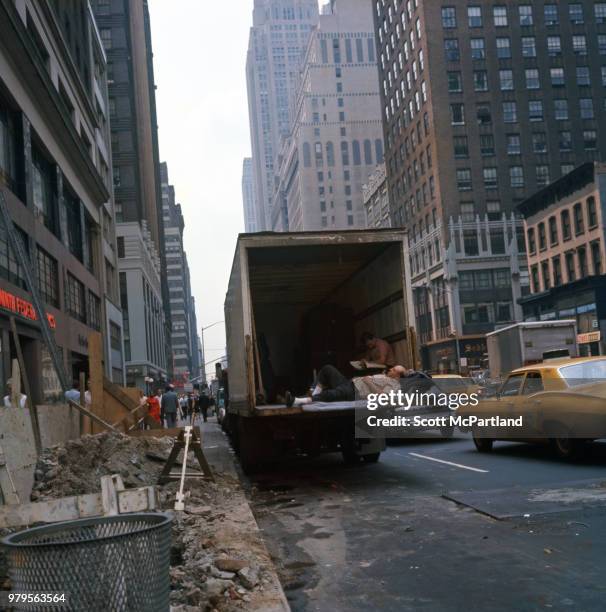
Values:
[(377, 350)]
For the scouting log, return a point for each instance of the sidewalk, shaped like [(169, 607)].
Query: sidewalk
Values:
[(239, 529)]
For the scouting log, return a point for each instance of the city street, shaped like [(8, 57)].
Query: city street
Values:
[(385, 537)]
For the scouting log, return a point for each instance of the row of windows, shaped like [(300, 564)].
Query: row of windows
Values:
[(528, 48), (360, 153), (577, 264), (525, 15), (536, 111), (337, 56), (563, 230), (532, 79)]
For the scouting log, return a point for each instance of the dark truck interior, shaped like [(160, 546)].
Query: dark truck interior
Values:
[(311, 304)]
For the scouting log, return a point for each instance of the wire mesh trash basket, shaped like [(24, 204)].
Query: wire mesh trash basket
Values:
[(114, 563)]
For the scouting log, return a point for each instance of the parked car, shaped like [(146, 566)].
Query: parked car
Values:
[(562, 402)]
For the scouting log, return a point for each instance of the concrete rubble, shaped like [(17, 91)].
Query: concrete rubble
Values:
[(218, 562)]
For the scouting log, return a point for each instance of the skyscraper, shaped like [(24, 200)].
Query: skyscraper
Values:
[(482, 105), (248, 196), (278, 37), (336, 135), (125, 31)]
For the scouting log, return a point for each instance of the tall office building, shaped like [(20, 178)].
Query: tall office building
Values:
[(125, 31), (336, 136), (54, 173), (278, 37), (248, 196), (482, 104), (184, 349)]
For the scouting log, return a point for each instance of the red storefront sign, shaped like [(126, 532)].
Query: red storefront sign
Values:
[(23, 308)]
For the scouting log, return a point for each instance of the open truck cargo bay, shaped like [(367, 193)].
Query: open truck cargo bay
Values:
[(305, 299)]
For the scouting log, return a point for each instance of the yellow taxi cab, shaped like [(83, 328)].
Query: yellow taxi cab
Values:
[(560, 401), (455, 383)]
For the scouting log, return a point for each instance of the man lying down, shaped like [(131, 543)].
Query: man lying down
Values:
[(332, 386)]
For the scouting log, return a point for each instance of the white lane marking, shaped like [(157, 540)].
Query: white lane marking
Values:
[(463, 467)]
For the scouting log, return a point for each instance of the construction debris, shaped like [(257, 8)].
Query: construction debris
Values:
[(215, 563)]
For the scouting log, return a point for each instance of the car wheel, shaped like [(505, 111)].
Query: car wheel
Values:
[(483, 445), (564, 446)]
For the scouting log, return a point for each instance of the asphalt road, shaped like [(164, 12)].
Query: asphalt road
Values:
[(385, 537)]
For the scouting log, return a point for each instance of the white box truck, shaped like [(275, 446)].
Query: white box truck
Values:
[(295, 302), (526, 343)]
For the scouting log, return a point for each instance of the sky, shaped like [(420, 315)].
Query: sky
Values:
[(199, 51)]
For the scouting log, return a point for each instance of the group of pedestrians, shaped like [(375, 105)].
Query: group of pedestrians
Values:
[(170, 408)]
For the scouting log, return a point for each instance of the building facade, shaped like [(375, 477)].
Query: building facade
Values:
[(336, 137), (248, 196), (565, 226), (54, 173), (483, 104), (278, 37), (125, 31), (375, 197), (184, 350)]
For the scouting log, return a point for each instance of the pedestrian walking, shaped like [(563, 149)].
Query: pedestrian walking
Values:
[(204, 405), (169, 407)]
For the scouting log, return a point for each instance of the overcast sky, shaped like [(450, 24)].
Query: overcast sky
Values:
[(199, 59)]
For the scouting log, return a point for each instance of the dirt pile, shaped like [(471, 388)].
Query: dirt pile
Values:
[(214, 565)]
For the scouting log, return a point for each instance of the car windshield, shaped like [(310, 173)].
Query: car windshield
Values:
[(584, 373)]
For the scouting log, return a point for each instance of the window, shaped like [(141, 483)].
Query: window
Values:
[(603, 71), (586, 108), (592, 213), (506, 80), (561, 109), (455, 83), (526, 18), (514, 146), (535, 110), (532, 245), (451, 50), (474, 16), (551, 15), (575, 12), (565, 141), (600, 12), (557, 77), (44, 190), (503, 48), (468, 213), (570, 267), (566, 232), (345, 153), (487, 145), (534, 274), (449, 17), (582, 253), (546, 275), (529, 46), (583, 77), (532, 78), (461, 147), (74, 298), (48, 278), (542, 237), (500, 16), (510, 112), (457, 113), (590, 140), (9, 268), (539, 142), (596, 257), (512, 385), (490, 178), (556, 264), (94, 311), (464, 179), (480, 80), (106, 38), (478, 49), (579, 225), (579, 45), (602, 44), (9, 146), (115, 337), (483, 114), (516, 174), (494, 210), (542, 176)]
